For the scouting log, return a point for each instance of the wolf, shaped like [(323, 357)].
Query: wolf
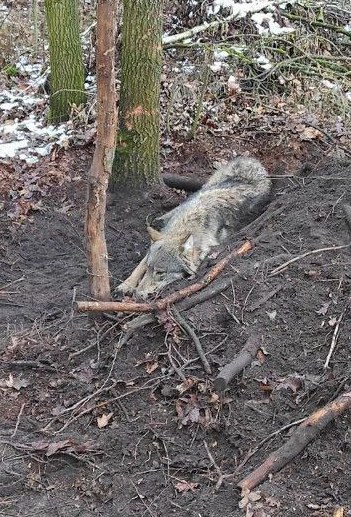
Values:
[(202, 222)]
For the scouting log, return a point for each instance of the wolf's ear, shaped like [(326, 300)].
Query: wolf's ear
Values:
[(190, 252), (188, 246), (155, 235)]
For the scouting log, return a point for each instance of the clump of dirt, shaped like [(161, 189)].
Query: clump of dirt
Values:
[(91, 429)]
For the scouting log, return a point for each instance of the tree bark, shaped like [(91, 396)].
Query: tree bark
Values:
[(99, 281), (137, 161), (66, 58)]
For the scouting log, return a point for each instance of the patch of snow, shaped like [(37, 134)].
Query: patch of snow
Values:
[(216, 66), (266, 24), (264, 62), (329, 84), (10, 150), (188, 69), (220, 4), (220, 55)]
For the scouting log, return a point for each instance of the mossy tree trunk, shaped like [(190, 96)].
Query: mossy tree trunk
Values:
[(137, 159), (66, 58)]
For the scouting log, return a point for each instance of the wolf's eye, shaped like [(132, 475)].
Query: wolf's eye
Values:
[(160, 275)]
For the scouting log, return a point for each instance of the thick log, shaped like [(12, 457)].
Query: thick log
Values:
[(243, 359)]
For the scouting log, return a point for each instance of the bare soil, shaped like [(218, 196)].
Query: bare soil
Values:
[(137, 444)]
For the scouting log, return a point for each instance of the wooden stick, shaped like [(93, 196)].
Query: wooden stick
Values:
[(243, 359), (191, 333), (97, 257), (304, 434), (163, 303)]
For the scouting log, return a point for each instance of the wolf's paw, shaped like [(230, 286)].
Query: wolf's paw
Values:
[(124, 289)]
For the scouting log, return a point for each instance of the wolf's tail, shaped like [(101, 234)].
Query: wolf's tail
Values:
[(241, 170)]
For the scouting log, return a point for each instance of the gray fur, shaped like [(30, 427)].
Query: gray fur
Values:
[(199, 224)]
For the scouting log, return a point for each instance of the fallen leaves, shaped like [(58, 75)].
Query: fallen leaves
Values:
[(16, 383), (190, 411), (68, 446)]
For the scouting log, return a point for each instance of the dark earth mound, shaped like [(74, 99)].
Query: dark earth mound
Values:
[(137, 446)]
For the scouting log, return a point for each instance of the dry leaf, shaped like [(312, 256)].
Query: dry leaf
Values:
[(310, 133), (332, 322), (293, 382), (261, 356), (186, 486), (103, 420), (339, 512), (151, 366), (323, 310)]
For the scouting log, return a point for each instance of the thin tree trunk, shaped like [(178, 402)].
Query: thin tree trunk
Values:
[(66, 58), (99, 281), (138, 141)]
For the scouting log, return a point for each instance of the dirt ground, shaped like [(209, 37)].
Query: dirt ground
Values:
[(89, 430)]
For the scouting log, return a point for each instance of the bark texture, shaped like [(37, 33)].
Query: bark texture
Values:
[(66, 58), (138, 141), (99, 281)]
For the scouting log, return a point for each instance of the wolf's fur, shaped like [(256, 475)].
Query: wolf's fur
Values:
[(193, 228)]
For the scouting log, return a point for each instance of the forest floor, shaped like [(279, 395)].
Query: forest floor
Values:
[(88, 428)]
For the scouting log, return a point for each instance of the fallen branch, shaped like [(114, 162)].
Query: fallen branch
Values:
[(243, 359), (191, 333), (280, 268), (163, 303), (217, 287), (301, 437)]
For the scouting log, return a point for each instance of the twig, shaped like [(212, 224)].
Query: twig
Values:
[(304, 434), (335, 336), (221, 477), (103, 388), (263, 441), (82, 350), (261, 301), (173, 364), (101, 404), (18, 421), (200, 102), (191, 333), (163, 303), (280, 268), (243, 359)]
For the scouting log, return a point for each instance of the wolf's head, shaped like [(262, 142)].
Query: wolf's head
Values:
[(168, 260)]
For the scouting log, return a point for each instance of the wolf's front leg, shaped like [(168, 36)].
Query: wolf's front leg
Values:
[(133, 280)]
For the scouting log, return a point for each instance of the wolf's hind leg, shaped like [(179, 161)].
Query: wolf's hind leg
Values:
[(134, 278)]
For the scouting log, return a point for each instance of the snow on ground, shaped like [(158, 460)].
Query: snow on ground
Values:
[(24, 132)]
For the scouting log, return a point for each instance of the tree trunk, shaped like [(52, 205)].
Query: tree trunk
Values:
[(99, 281), (137, 160), (66, 58)]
